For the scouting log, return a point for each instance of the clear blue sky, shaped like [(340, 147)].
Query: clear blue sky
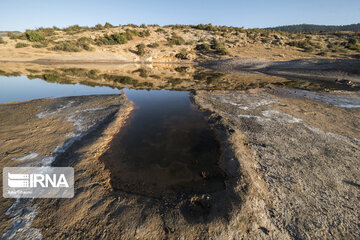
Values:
[(26, 14)]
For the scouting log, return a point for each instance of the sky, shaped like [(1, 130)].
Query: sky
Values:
[(29, 14)]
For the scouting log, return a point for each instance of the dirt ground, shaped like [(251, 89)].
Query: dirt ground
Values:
[(34, 133), (300, 155), (249, 43)]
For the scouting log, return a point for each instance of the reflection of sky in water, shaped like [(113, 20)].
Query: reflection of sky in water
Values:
[(14, 89)]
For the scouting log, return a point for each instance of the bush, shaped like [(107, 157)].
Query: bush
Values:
[(74, 29), (176, 40), (309, 49), (99, 27), (154, 45), (120, 79), (140, 49), (40, 45), (74, 46), (159, 30), (16, 36), (203, 47), (21, 45), (352, 44), (66, 46), (142, 72), (145, 33), (34, 36), (113, 39), (131, 33), (182, 54), (108, 25), (353, 41), (46, 31), (219, 47), (2, 40)]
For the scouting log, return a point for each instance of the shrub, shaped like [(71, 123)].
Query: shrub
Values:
[(34, 36), (140, 49), (99, 27), (131, 33), (120, 79), (181, 69), (108, 25), (203, 47), (16, 36), (182, 54), (113, 39), (142, 72), (309, 49), (21, 45), (353, 44), (142, 26), (154, 45), (2, 40), (176, 40), (159, 30), (145, 33), (74, 29), (84, 43), (40, 45), (353, 41), (219, 47), (46, 31), (68, 46)]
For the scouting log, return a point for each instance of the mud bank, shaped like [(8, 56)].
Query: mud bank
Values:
[(346, 71), (99, 210), (35, 133), (299, 157)]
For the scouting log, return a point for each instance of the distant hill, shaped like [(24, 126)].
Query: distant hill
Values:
[(316, 28), (4, 33)]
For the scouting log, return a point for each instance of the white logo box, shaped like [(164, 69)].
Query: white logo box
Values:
[(38, 182)]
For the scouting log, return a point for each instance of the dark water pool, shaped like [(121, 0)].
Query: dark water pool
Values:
[(166, 145)]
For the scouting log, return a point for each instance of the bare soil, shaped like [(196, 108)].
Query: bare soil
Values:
[(299, 157)]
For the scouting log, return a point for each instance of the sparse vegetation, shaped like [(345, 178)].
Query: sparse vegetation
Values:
[(2, 41), (73, 46), (142, 72), (21, 45), (176, 40), (108, 25), (203, 47), (221, 40), (113, 39), (140, 49), (219, 47), (182, 54), (154, 45), (40, 45)]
